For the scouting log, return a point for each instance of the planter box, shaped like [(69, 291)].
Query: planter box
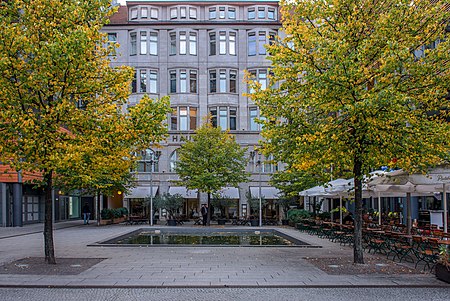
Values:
[(442, 272)]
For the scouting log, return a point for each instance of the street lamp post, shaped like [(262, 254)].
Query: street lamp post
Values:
[(253, 154), (153, 160)]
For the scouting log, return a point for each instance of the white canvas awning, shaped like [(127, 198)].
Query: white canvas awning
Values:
[(141, 192), (270, 193), (229, 192), (183, 191)]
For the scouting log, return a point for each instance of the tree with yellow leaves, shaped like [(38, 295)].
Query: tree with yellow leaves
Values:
[(61, 101), (359, 84)]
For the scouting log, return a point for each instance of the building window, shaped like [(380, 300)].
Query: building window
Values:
[(259, 75), (153, 43), (187, 82), (143, 48), (231, 13), (267, 166), (222, 42), (173, 161), (225, 117), (261, 42), (173, 44), (192, 43), (221, 12), (183, 42), (173, 82), (183, 119), (133, 43), (261, 13), (262, 79), (193, 81), (212, 13), (271, 13), (145, 163), (173, 13), (251, 13), (112, 41), (192, 13), (251, 44), (153, 85), (253, 114), (154, 13), (143, 81), (212, 81), (134, 14), (212, 43), (223, 81), (232, 43), (144, 12), (134, 83), (182, 12), (183, 81), (227, 81), (233, 76)]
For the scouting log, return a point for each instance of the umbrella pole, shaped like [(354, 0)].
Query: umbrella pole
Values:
[(445, 209), (408, 213), (379, 209), (340, 209), (331, 210)]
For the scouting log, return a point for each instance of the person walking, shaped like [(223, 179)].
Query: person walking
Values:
[(204, 212), (86, 213)]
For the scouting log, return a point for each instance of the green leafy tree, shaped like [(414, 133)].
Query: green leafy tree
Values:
[(61, 101), (222, 203), (359, 84), (172, 203), (291, 181), (210, 161)]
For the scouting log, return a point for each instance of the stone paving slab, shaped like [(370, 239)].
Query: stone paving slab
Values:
[(186, 266)]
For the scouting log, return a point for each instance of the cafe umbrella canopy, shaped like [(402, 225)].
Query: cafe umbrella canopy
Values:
[(436, 179)]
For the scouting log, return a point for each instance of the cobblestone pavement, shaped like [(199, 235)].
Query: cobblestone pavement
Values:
[(181, 267), (226, 294)]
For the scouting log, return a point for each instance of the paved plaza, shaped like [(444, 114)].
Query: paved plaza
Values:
[(185, 267)]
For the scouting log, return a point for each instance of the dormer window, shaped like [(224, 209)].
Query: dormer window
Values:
[(154, 13), (173, 13), (231, 13), (144, 12), (192, 13), (271, 14), (134, 14), (182, 12), (261, 12), (221, 12), (251, 13), (212, 13)]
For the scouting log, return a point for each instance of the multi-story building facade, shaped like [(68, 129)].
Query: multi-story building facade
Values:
[(198, 53)]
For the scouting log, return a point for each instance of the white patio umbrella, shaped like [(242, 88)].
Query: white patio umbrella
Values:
[(435, 180)]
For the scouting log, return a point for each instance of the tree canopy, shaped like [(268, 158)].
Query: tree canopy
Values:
[(359, 84), (211, 160), (61, 101)]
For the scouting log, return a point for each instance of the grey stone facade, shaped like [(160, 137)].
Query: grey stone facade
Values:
[(153, 37)]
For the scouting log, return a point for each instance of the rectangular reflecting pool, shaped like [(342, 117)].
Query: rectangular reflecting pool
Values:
[(205, 237)]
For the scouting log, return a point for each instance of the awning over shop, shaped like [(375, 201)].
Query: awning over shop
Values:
[(183, 191), (269, 193), (141, 192), (230, 192)]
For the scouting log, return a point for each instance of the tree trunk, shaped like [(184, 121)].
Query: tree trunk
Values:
[(97, 209), (357, 246), (208, 213), (49, 248)]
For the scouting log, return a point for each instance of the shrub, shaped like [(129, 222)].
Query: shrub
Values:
[(297, 215), (106, 213)]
